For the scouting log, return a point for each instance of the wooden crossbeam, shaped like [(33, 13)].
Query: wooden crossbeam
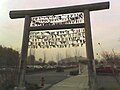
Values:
[(59, 10)]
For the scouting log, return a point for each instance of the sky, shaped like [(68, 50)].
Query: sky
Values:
[(105, 25)]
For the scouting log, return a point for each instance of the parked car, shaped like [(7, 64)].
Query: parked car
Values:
[(107, 70)]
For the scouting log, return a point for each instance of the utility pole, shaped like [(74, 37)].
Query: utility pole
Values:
[(44, 57)]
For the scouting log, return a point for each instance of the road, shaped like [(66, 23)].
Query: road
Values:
[(51, 77)]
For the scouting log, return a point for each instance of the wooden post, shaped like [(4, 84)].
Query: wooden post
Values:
[(22, 67), (89, 49)]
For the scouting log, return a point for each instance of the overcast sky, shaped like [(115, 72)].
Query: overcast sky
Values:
[(105, 24)]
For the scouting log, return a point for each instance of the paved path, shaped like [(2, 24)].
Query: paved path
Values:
[(79, 82)]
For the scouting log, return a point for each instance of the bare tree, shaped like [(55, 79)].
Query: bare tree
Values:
[(112, 58)]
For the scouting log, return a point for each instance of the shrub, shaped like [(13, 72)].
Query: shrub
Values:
[(75, 72)]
